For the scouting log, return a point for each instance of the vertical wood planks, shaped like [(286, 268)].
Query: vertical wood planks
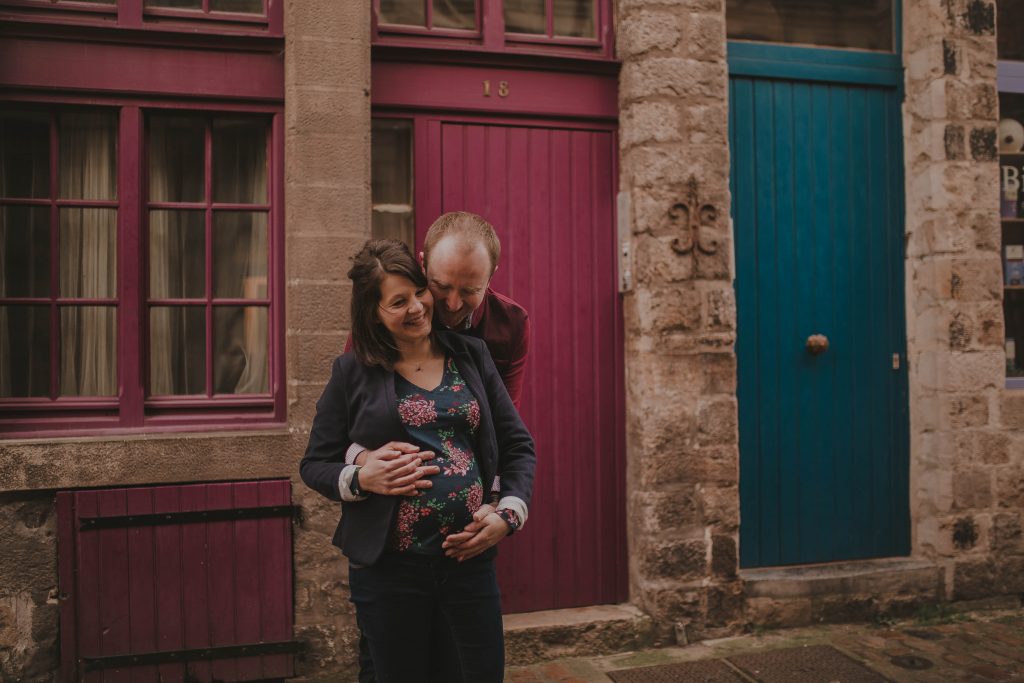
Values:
[(135, 589), (548, 191), (815, 180)]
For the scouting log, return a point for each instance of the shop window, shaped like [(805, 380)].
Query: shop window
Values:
[(260, 17), (392, 193), (58, 226), (1010, 19), (583, 25), (825, 23), (78, 327)]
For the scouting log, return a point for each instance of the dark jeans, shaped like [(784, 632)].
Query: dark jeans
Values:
[(404, 602)]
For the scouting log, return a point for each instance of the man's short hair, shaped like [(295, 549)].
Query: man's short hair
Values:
[(468, 227)]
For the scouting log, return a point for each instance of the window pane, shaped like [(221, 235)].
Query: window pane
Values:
[(88, 155), (24, 155), (88, 252), (181, 4), (1011, 162), (239, 255), (240, 350), (405, 12), (246, 6), (177, 350), (573, 18), (24, 251), (1009, 20), (240, 161), (24, 351), (176, 159), (177, 254), (836, 23), (88, 351), (392, 180), (525, 16), (454, 14)]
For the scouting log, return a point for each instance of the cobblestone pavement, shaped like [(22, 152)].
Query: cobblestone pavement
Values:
[(973, 648)]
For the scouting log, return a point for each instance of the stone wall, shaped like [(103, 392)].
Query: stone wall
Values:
[(327, 184), (967, 470), (683, 504)]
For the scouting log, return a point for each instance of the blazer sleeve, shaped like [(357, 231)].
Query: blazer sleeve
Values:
[(516, 452), (328, 438)]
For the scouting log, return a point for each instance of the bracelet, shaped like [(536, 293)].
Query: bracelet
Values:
[(511, 518), (353, 486)]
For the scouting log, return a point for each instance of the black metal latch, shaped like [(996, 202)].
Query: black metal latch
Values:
[(190, 517)]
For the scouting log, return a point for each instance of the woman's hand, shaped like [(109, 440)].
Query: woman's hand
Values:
[(486, 529), (395, 470)]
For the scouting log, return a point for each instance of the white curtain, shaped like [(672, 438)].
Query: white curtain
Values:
[(177, 263), (88, 254)]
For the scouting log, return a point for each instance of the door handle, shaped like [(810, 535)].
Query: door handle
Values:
[(817, 344)]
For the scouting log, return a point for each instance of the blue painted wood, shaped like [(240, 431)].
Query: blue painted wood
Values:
[(817, 207), (795, 62)]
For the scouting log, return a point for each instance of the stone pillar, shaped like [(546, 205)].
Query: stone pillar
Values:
[(963, 459), (327, 188), (683, 505)]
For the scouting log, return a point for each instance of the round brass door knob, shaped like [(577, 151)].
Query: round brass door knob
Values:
[(817, 344)]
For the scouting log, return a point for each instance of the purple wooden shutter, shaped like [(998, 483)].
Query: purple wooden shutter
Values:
[(154, 580)]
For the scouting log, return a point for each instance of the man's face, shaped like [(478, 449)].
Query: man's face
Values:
[(457, 275)]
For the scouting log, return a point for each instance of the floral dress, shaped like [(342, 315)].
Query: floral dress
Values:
[(445, 421)]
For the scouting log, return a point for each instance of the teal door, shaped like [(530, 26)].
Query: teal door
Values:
[(817, 176)]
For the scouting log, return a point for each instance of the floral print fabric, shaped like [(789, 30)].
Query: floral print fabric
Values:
[(445, 421)]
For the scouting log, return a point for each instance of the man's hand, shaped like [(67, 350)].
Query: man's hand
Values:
[(396, 469), (485, 530)]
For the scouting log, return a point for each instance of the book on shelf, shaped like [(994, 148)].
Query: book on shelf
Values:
[(1011, 188)]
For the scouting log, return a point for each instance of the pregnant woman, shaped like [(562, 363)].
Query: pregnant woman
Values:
[(429, 610)]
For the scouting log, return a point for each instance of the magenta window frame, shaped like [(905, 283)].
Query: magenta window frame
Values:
[(134, 15), (491, 36), (131, 410)]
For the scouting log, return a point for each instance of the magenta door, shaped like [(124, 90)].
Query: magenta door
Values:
[(549, 192)]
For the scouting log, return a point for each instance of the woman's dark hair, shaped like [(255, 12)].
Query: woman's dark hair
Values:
[(371, 341)]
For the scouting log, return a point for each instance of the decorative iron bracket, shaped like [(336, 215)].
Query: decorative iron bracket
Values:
[(693, 220)]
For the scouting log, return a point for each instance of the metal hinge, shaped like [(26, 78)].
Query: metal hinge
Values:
[(895, 361)]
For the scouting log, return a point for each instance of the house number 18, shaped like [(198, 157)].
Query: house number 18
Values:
[(502, 88)]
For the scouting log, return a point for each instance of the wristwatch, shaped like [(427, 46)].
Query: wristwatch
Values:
[(511, 518), (353, 485)]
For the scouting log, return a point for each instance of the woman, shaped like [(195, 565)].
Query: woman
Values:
[(410, 575)]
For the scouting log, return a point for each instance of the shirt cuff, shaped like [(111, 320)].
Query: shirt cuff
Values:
[(345, 485), (517, 505), (353, 451)]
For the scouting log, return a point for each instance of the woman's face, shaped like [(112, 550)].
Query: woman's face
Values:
[(405, 309)]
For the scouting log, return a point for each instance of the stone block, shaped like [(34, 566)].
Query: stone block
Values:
[(984, 145), (975, 370), (643, 31), (321, 257), (704, 37), (719, 373), (1010, 570), (657, 263), (322, 307), (1010, 487), (954, 143), (311, 354), (986, 228), (1007, 534), (772, 613), (724, 555), (1011, 410), (992, 448), (674, 77), (650, 122), (677, 559), (722, 508), (669, 309), (972, 489), (655, 512), (966, 411), (724, 604), (974, 579), (720, 307), (715, 266), (717, 422)]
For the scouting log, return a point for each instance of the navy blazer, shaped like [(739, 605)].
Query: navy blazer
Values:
[(359, 405)]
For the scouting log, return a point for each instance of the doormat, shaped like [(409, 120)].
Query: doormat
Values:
[(703, 671), (805, 665), (817, 664)]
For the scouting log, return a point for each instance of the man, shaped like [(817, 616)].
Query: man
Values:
[(460, 255)]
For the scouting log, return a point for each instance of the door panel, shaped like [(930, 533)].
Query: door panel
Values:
[(818, 217), (548, 192)]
